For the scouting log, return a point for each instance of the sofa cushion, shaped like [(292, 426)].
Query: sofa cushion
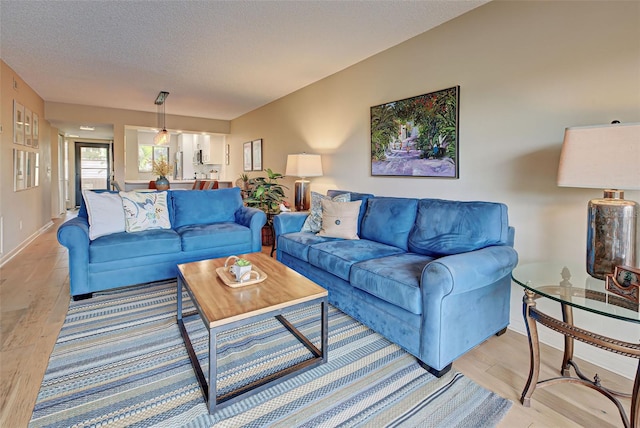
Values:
[(120, 246), (105, 213), (452, 227), (389, 220), (340, 219), (205, 207), (354, 196), (203, 236), (337, 256), (144, 211), (313, 222), (394, 279), (297, 244)]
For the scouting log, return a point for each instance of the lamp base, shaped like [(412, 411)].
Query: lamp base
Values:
[(302, 195), (611, 233)]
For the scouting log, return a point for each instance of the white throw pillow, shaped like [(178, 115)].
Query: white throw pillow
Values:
[(144, 211), (313, 222), (105, 212), (340, 219)]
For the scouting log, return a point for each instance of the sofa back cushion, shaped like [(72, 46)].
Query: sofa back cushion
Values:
[(354, 196), (389, 220), (451, 227), (205, 206)]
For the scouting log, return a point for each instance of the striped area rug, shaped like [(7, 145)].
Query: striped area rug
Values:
[(120, 361)]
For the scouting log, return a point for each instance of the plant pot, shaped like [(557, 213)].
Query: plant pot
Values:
[(267, 236), (162, 183)]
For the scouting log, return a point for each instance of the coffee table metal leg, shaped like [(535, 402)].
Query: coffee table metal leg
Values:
[(325, 331), (529, 303), (213, 370)]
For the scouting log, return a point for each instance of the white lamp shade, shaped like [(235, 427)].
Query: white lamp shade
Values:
[(604, 157), (304, 165)]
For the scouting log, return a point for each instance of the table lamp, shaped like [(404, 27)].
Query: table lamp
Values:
[(605, 157), (303, 165)]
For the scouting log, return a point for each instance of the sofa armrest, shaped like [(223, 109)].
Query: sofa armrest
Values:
[(464, 272), (289, 222), (254, 219), (74, 234)]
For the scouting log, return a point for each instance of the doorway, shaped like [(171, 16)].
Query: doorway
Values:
[(93, 167)]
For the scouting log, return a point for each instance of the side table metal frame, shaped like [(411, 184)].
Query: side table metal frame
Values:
[(209, 386), (532, 316)]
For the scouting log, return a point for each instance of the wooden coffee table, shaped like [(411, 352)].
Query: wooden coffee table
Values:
[(222, 308)]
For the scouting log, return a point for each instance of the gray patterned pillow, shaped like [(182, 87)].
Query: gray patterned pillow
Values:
[(313, 223)]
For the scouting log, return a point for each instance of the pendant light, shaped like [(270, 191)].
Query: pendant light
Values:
[(162, 137)]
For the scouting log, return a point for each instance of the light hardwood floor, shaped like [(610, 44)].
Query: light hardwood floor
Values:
[(34, 298)]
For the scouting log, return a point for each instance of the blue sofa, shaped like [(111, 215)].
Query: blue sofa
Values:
[(204, 224), (432, 276)]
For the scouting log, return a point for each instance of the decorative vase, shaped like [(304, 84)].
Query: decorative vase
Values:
[(162, 183)]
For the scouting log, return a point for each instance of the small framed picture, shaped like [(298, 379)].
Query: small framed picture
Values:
[(18, 123), (27, 128), (35, 131), (246, 156), (257, 154), (625, 282)]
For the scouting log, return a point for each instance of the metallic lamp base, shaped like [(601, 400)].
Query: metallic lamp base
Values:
[(302, 195), (611, 234)]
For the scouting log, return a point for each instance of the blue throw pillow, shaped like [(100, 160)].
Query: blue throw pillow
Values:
[(452, 227), (389, 220), (205, 206)]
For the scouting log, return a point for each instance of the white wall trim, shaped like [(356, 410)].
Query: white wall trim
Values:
[(24, 244)]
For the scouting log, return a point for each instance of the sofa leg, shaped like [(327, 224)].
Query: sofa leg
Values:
[(436, 373), (501, 332), (82, 297)]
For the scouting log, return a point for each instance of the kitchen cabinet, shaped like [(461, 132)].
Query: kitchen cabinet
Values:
[(212, 147)]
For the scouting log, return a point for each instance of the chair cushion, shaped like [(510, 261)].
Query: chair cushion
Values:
[(121, 246), (389, 220), (297, 244), (452, 227), (204, 236), (337, 256), (198, 207), (394, 279)]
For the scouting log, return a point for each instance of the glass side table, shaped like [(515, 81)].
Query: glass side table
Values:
[(572, 287)]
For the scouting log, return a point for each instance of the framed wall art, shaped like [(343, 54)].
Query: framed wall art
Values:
[(35, 131), (27, 128), (246, 156), (257, 154), (18, 123), (417, 136)]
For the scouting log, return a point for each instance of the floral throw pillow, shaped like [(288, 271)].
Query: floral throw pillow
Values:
[(144, 211), (313, 223)]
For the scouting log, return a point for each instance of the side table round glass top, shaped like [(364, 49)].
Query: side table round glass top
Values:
[(572, 287)]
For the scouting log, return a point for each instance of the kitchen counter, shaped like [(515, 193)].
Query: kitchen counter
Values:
[(175, 184)]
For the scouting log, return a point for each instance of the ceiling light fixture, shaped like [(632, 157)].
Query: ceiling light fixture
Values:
[(87, 128), (161, 137)]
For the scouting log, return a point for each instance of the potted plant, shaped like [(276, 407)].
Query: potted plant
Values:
[(266, 194), (162, 168)]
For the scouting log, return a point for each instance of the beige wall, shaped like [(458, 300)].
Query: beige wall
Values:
[(526, 71), (30, 208)]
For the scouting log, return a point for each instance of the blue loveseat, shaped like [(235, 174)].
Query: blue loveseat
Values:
[(204, 224), (432, 276)]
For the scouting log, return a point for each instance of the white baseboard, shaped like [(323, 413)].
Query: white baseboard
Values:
[(11, 254)]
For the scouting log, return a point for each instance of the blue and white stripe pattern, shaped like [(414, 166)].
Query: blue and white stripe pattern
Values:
[(120, 361)]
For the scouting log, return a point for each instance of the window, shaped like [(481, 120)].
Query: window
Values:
[(147, 154)]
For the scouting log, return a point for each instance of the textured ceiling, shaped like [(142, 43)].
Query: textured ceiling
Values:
[(218, 59)]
